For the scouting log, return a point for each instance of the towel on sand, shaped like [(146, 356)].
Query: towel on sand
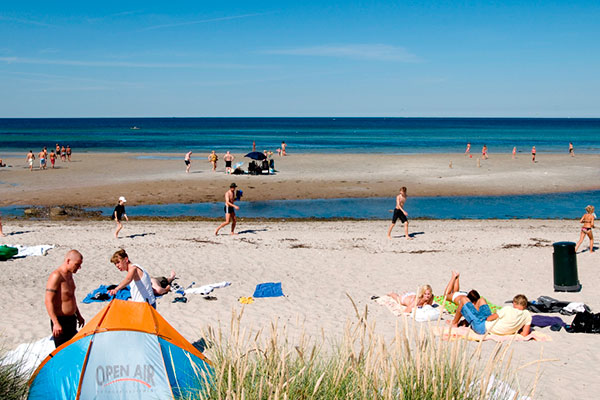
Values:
[(206, 289), (101, 294), (421, 314), (24, 251), (269, 289), (451, 307), (464, 332)]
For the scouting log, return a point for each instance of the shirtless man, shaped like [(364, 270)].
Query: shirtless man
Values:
[(399, 213), (60, 300), (188, 161), (228, 158), (571, 150), (229, 209), (30, 158), (161, 284), (283, 146), (42, 157)]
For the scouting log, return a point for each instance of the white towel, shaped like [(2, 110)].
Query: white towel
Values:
[(24, 251), (575, 307), (29, 355), (207, 289)]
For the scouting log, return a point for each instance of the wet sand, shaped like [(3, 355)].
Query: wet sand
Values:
[(96, 179)]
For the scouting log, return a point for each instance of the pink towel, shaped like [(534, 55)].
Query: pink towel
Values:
[(396, 308), (464, 332)]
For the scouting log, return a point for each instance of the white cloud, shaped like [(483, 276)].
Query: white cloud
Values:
[(24, 21), (380, 52)]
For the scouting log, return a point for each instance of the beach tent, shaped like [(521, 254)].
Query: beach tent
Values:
[(127, 351)]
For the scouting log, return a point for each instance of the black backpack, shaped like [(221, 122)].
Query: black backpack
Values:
[(586, 322)]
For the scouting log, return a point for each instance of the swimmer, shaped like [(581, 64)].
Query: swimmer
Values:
[(588, 224), (412, 300)]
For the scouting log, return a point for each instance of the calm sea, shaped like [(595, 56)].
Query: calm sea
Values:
[(302, 135)]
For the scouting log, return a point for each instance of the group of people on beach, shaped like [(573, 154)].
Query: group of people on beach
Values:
[(63, 152), (484, 152), (472, 309), (213, 158), (61, 303)]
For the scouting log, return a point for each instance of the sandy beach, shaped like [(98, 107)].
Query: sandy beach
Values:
[(318, 263), (95, 179)]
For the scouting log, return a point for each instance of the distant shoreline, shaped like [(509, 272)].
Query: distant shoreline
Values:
[(98, 179)]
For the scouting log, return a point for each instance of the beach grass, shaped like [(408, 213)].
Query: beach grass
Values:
[(414, 364), (13, 381)]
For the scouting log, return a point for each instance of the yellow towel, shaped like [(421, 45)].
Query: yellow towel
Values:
[(246, 300)]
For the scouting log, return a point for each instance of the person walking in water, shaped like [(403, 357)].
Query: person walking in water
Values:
[(571, 150), (533, 154), (188, 161), (399, 213), (468, 150), (229, 209), (514, 152), (588, 224), (484, 152), (118, 215)]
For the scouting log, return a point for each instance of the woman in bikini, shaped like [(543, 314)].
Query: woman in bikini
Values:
[(588, 223), (453, 294), (414, 300)]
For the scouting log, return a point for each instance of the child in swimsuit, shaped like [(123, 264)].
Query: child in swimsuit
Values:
[(588, 223)]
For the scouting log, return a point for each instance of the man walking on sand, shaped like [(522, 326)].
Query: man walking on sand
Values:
[(229, 209), (30, 158), (188, 161), (60, 300), (399, 213)]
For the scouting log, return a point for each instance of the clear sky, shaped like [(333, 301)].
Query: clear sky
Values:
[(307, 58)]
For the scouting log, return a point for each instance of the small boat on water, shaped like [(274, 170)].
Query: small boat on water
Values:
[(135, 128)]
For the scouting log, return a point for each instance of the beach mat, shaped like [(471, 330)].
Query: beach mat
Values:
[(101, 294), (451, 307), (395, 308), (464, 332), (269, 289)]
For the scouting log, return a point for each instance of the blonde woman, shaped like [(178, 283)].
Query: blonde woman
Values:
[(588, 223), (414, 300)]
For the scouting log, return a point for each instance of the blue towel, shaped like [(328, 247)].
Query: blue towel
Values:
[(123, 294), (270, 289)]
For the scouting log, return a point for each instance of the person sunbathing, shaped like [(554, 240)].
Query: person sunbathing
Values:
[(414, 300), (453, 294), (161, 284), (509, 320)]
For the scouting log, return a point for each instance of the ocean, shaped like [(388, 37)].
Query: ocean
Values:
[(302, 135)]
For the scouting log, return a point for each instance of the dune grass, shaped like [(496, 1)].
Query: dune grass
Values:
[(13, 381), (361, 365)]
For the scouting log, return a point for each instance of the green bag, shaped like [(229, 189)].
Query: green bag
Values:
[(7, 252)]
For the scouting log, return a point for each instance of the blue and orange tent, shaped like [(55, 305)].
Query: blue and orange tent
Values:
[(127, 351)]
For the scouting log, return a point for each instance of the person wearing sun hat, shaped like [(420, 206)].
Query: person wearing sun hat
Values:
[(229, 209), (119, 214)]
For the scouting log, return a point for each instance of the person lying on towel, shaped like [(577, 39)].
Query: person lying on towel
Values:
[(161, 284), (506, 321)]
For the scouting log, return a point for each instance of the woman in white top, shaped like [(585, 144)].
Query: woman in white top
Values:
[(141, 283)]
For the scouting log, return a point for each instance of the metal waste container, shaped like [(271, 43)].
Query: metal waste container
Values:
[(565, 268)]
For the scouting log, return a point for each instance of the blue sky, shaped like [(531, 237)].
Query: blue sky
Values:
[(311, 58)]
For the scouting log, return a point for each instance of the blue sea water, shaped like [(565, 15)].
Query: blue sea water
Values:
[(302, 135), (542, 206)]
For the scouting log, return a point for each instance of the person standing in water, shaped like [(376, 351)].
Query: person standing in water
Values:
[(533, 154), (571, 149), (400, 213), (468, 150), (514, 152)]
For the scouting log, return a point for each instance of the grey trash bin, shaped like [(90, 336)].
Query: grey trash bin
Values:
[(565, 268)]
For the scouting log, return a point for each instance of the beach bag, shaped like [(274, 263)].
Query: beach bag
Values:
[(586, 322), (7, 252), (427, 313)]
